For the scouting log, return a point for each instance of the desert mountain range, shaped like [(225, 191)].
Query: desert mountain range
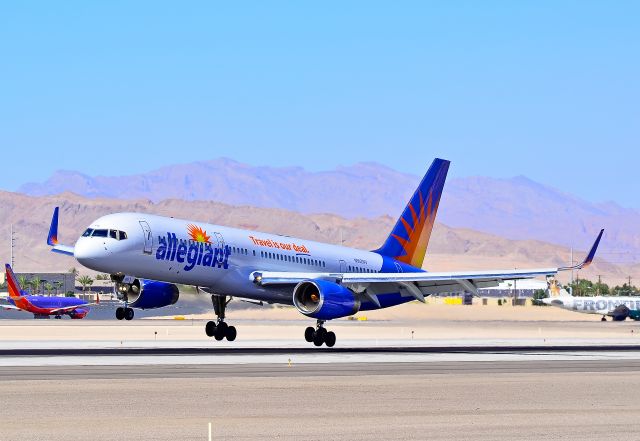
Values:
[(450, 248), (516, 208)]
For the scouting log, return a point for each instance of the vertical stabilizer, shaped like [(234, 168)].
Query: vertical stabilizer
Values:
[(555, 290), (409, 238), (12, 283)]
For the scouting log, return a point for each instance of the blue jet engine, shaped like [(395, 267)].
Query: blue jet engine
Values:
[(147, 294), (324, 300)]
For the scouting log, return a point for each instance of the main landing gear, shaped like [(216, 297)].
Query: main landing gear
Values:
[(124, 313), (220, 329), (604, 318), (320, 335)]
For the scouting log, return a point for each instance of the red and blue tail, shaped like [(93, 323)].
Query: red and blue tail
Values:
[(12, 283), (409, 238)]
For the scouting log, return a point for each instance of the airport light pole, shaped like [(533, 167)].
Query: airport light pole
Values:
[(571, 265), (13, 241)]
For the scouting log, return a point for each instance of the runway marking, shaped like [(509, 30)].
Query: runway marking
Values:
[(30, 373), (154, 351)]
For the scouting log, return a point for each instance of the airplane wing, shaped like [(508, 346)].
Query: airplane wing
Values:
[(421, 284), (10, 307), (52, 238), (71, 308)]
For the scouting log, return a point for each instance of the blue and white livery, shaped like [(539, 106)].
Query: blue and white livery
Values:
[(147, 255)]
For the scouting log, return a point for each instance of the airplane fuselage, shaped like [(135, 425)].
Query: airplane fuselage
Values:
[(220, 258), (600, 305), (41, 306)]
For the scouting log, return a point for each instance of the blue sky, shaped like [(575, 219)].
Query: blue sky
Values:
[(549, 90)]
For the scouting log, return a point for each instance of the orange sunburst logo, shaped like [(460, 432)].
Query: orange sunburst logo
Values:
[(198, 234), (415, 246)]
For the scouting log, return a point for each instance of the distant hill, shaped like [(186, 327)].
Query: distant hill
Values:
[(516, 208), (450, 248)]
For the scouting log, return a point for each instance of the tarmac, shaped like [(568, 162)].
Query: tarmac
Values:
[(165, 380)]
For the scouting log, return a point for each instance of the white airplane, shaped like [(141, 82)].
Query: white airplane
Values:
[(618, 308), (147, 255)]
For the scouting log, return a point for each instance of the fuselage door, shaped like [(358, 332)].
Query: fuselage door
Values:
[(398, 267), (343, 266), (148, 238), (219, 240)]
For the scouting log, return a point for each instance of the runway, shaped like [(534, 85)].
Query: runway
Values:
[(568, 400), (174, 371), (82, 382)]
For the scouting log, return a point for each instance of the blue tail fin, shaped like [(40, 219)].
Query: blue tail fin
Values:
[(409, 238)]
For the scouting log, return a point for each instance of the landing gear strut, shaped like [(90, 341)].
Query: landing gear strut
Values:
[(122, 289), (220, 329), (319, 335)]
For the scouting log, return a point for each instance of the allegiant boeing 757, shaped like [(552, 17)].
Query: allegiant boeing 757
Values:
[(42, 306), (148, 255)]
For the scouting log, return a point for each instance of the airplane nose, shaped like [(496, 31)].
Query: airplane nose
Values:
[(89, 253)]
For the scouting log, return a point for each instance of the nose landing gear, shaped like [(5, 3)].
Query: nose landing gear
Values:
[(122, 289), (220, 329), (124, 313), (320, 335)]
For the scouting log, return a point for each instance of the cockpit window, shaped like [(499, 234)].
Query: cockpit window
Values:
[(88, 232), (99, 233), (117, 234)]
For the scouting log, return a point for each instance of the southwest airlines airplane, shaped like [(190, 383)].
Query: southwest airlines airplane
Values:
[(148, 255), (42, 306), (618, 308)]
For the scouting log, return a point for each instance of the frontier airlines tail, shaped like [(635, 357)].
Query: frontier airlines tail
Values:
[(409, 238)]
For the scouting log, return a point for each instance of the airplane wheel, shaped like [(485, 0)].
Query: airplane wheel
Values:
[(319, 336), (119, 313), (220, 333), (210, 329), (330, 339), (128, 314), (309, 333), (603, 319), (231, 333), (58, 317)]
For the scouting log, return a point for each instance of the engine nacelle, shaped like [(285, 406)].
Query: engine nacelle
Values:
[(324, 300), (147, 294)]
